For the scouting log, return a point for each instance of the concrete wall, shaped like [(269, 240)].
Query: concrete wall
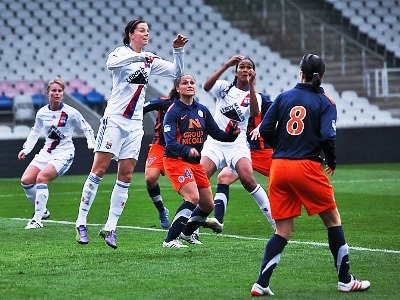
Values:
[(354, 145)]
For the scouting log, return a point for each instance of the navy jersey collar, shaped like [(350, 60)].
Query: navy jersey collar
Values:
[(180, 104), (306, 86)]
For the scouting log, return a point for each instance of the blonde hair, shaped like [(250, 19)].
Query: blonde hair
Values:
[(57, 80)]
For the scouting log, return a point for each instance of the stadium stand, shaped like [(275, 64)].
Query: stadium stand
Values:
[(72, 40)]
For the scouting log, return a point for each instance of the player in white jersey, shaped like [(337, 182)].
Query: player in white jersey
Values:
[(121, 129), (57, 121), (236, 102)]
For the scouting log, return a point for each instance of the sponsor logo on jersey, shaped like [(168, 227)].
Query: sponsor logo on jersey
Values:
[(233, 112), (139, 77), (54, 133)]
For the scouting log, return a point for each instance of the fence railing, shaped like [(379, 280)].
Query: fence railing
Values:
[(382, 83)]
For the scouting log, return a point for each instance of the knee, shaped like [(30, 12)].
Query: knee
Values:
[(151, 180), (42, 178), (27, 181)]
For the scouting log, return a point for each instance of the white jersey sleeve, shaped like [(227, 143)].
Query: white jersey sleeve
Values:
[(85, 127), (120, 57), (166, 68), (33, 136)]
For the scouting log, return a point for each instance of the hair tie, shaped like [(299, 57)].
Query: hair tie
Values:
[(315, 74)]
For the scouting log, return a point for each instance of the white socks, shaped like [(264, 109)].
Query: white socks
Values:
[(42, 196), (88, 194), (260, 196), (119, 197)]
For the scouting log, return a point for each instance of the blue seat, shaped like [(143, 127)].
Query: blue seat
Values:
[(39, 100), (5, 103), (79, 96), (95, 98)]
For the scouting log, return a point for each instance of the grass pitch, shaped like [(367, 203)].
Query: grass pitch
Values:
[(48, 263)]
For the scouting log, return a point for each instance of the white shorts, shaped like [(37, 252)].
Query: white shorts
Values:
[(61, 161), (227, 154), (121, 137)]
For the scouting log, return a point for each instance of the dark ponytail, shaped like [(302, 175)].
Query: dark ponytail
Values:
[(173, 94), (313, 69), (129, 28)]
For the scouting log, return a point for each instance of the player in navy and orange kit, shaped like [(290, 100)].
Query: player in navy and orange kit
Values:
[(186, 126), (154, 162), (299, 125), (261, 157)]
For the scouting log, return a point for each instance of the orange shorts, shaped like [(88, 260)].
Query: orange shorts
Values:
[(293, 183), (180, 173), (155, 158), (261, 160)]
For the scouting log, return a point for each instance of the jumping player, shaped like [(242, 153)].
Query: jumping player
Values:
[(121, 129), (236, 102), (261, 157)]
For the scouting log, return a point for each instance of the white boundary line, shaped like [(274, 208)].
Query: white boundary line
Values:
[(222, 235)]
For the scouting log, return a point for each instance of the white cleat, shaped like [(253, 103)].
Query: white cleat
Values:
[(258, 291), (191, 239), (174, 244), (354, 285), (33, 224)]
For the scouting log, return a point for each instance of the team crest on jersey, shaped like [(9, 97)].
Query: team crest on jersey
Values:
[(246, 101), (63, 119), (200, 113), (108, 145), (181, 179), (167, 128)]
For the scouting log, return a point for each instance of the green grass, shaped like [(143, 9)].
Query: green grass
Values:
[(49, 264)]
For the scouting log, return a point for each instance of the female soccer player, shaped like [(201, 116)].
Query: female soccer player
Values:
[(57, 121), (261, 157), (154, 162), (186, 124), (121, 129), (299, 124), (236, 102)]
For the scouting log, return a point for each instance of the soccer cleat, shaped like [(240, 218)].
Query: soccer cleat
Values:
[(354, 285), (46, 215), (174, 244), (258, 291), (109, 237), (164, 222), (81, 235), (191, 239), (33, 224), (213, 224)]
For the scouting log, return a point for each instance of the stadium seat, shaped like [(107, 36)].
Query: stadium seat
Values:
[(21, 131), (23, 109), (39, 100), (79, 97), (5, 132), (5, 103)]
